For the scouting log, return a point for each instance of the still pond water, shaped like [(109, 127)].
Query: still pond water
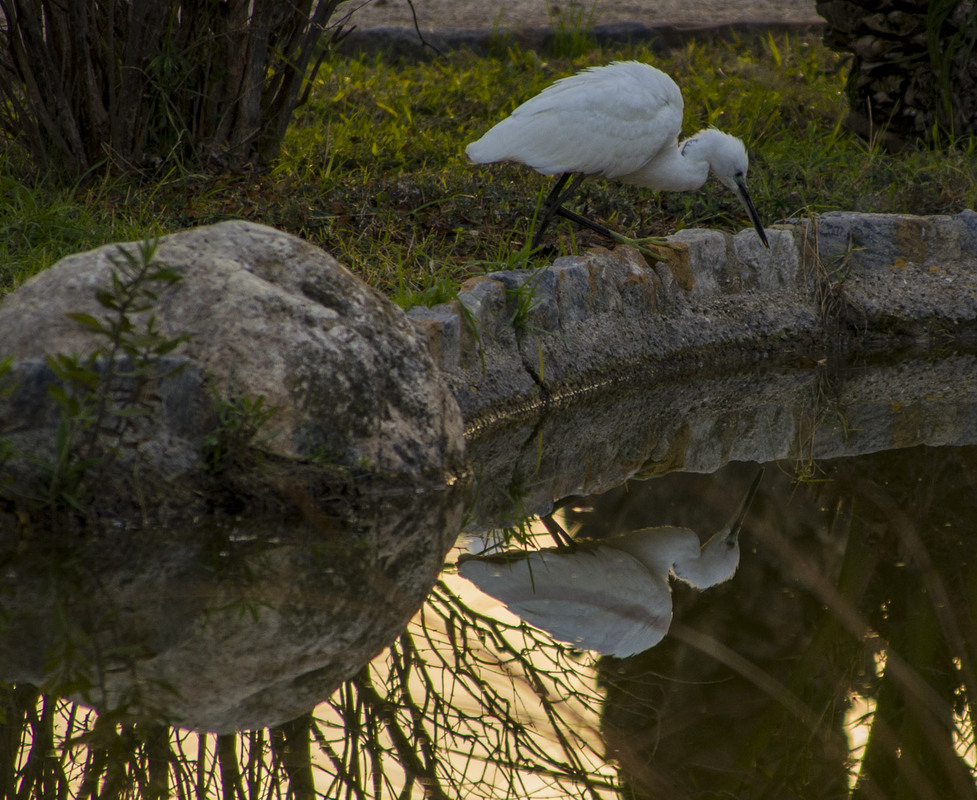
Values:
[(831, 654)]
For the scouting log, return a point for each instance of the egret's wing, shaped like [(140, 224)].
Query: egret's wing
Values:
[(601, 599), (607, 121)]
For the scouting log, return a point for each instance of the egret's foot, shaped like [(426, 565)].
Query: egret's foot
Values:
[(656, 247)]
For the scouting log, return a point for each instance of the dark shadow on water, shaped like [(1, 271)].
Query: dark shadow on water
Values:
[(856, 587)]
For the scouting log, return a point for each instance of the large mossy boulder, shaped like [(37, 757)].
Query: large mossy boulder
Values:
[(281, 348)]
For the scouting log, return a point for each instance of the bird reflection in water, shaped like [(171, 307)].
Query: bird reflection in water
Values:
[(612, 596)]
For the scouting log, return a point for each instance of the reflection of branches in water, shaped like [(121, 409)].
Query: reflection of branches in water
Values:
[(878, 603), (862, 587), (456, 715), (462, 705), (58, 749), (924, 613), (87, 755)]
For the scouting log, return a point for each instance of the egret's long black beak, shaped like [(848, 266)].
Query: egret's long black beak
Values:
[(748, 205), (737, 522)]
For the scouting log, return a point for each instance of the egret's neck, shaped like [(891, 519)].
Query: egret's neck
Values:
[(683, 168), (658, 548)]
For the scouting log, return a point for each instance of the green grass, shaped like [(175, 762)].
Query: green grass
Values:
[(40, 224), (373, 168)]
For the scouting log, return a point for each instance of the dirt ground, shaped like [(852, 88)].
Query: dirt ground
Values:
[(444, 15)]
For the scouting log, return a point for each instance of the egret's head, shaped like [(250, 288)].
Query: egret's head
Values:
[(728, 160)]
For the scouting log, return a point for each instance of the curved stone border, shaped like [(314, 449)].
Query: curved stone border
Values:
[(517, 340)]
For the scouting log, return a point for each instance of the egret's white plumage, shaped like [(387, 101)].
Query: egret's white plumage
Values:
[(619, 122), (600, 597), (605, 121), (612, 596)]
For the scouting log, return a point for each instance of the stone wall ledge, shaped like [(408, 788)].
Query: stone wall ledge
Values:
[(518, 340)]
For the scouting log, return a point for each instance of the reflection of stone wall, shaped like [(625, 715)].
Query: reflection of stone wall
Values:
[(653, 426)]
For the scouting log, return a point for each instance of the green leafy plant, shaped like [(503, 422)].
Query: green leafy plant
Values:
[(573, 29), (948, 52), (102, 395), (240, 421)]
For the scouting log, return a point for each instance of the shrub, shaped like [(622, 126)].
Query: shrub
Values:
[(143, 84)]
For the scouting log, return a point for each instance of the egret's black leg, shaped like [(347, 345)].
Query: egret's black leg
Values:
[(557, 188), (651, 246), (596, 227), (554, 201), (560, 536), (747, 502)]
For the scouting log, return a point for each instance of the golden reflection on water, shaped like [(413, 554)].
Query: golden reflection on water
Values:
[(509, 712), (858, 726)]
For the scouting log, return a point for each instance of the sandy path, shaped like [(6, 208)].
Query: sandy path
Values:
[(443, 15)]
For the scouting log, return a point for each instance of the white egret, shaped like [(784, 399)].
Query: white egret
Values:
[(611, 596), (619, 122)]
